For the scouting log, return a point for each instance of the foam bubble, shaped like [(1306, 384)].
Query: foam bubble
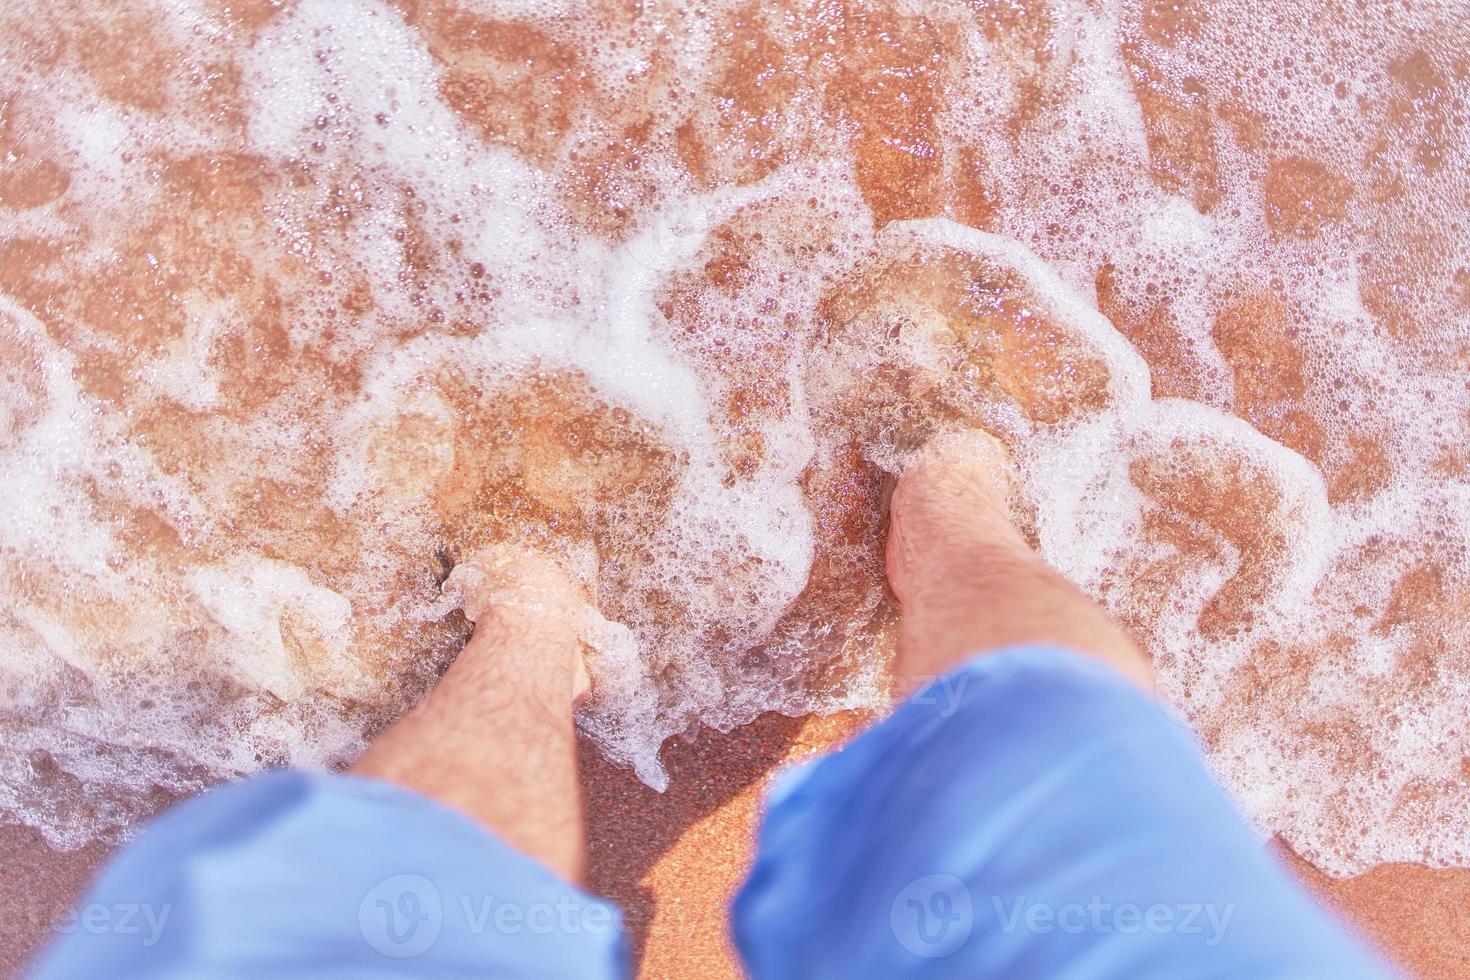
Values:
[(317, 298)]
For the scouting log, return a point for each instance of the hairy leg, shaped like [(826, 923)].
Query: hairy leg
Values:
[(495, 738), (966, 579)]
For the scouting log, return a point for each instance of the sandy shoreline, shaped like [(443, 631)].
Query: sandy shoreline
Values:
[(672, 860)]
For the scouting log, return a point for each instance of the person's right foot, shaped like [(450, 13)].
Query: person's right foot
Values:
[(949, 509), (967, 581)]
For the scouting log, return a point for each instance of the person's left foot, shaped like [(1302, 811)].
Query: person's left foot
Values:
[(495, 738), (511, 586)]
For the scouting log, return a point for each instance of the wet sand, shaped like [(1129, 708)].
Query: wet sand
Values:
[(672, 861), (1260, 267), (679, 301), (37, 885)]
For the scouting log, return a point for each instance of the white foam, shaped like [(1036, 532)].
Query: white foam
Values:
[(597, 255), (249, 596)]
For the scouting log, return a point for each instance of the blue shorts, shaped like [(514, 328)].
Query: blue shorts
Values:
[(1030, 814)]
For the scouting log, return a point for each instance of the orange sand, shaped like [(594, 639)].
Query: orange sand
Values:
[(673, 859)]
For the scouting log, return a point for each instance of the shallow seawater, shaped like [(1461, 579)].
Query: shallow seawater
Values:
[(301, 302)]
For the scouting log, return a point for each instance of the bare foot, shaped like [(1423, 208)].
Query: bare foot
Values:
[(949, 511), (495, 738), (966, 579), (514, 583)]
